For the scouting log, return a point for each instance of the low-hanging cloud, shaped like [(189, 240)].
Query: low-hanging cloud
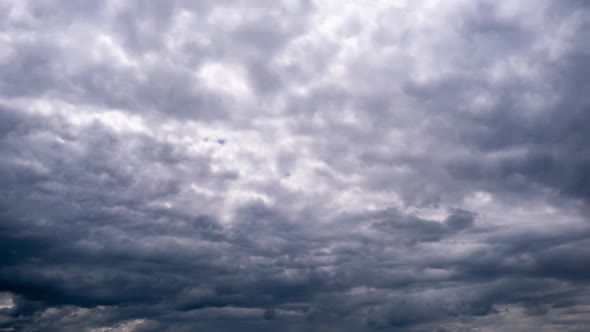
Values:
[(294, 166)]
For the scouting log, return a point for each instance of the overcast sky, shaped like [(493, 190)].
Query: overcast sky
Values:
[(357, 165)]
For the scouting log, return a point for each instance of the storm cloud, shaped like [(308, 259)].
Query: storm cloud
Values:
[(294, 165)]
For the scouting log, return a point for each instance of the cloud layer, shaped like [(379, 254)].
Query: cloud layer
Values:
[(294, 165)]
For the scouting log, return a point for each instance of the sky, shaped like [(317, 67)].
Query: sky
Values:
[(295, 165)]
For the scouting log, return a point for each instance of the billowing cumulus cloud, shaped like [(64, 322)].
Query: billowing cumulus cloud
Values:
[(294, 165)]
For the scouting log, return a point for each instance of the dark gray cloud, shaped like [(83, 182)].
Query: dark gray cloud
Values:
[(294, 166)]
